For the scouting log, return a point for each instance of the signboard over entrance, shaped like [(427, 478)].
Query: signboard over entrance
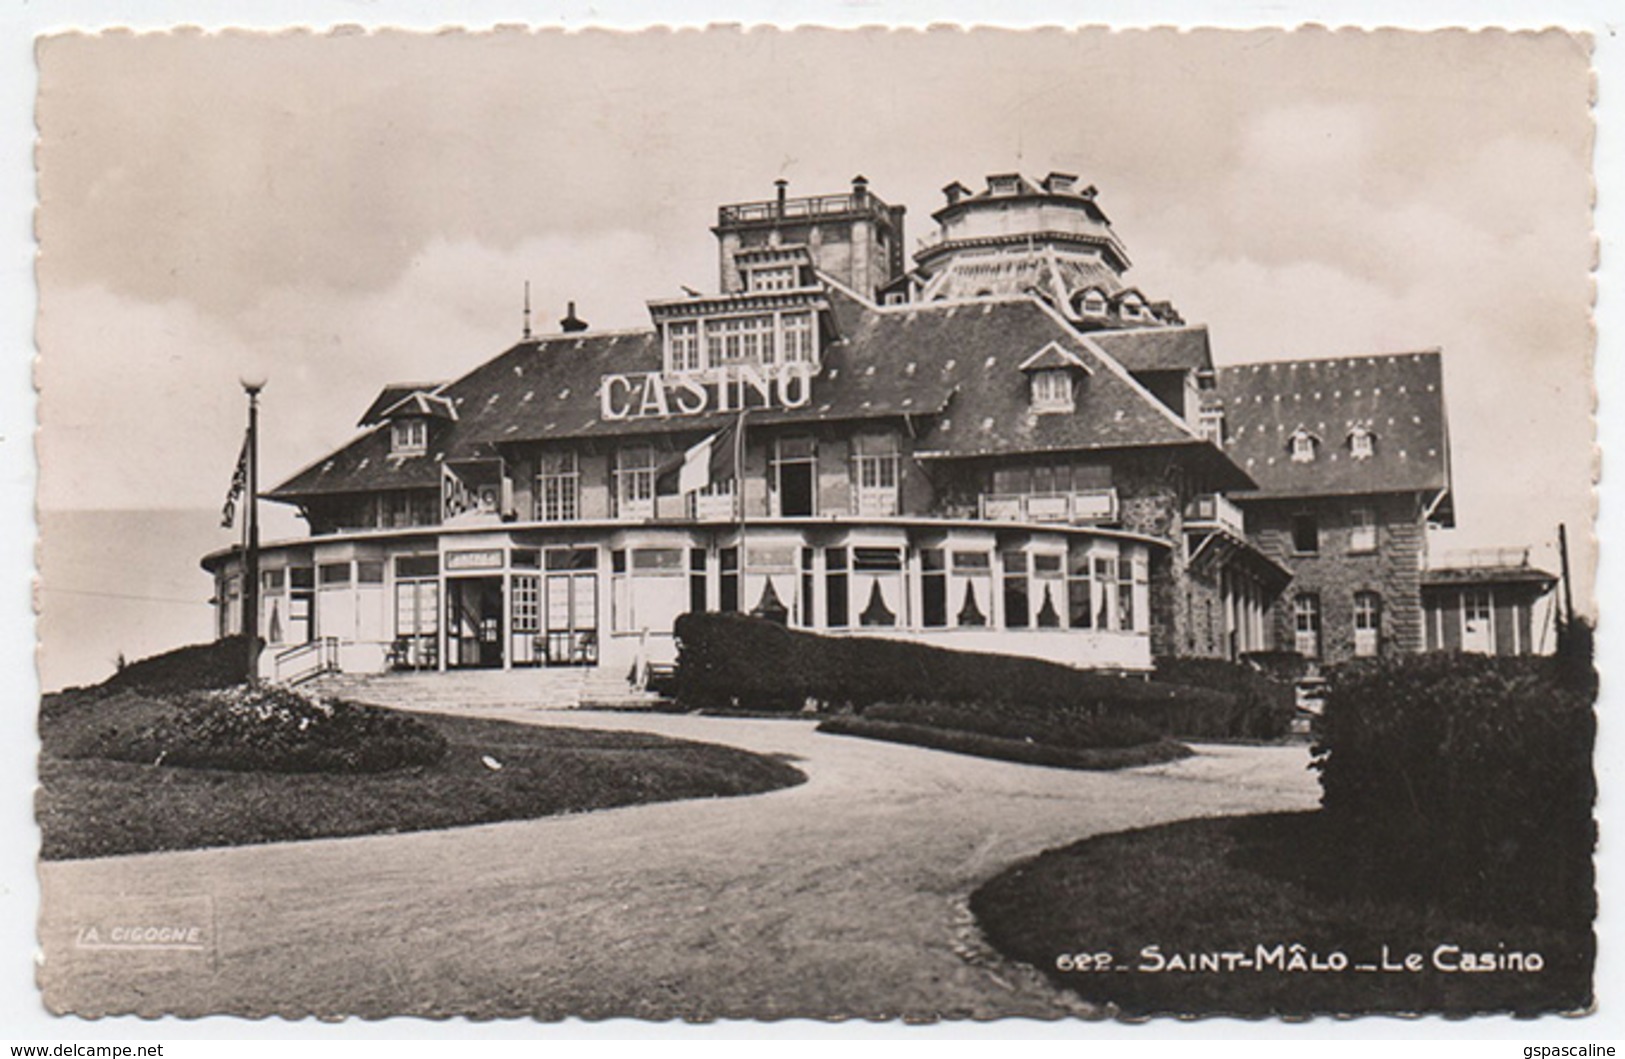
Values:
[(653, 395)]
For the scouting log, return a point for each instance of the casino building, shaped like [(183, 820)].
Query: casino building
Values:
[(1005, 447)]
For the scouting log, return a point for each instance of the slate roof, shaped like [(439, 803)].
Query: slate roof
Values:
[(392, 395), (1158, 348), (1398, 397), (365, 465), (954, 366), (1055, 275)]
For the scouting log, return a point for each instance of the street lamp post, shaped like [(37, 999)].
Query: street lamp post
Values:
[(251, 551)]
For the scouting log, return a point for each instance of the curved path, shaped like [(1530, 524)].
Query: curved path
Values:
[(840, 897)]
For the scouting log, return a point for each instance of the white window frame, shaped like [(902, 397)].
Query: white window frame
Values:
[(1362, 530), (1306, 624), (1470, 597), (800, 338), (876, 476), (773, 278), (740, 340), (558, 487), (1052, 390), (1367, 624), (409, 436), (683, 347), (634, 492), (1303, 447), (1362, 443)]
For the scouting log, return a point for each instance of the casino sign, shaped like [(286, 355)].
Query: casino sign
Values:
[(735, 388)]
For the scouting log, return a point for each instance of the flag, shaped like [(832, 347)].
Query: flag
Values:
[(714, 460), (239, 482)]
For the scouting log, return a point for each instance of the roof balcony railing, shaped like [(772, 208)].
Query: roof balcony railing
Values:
[(809, 206), (1459, 558), (1079, 506), (1214, 510)]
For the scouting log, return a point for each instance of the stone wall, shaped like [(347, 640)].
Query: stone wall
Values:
[(1336, 572)]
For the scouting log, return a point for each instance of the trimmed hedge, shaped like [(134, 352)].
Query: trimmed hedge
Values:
[(1066, 728), (1466, 777), (730, 661), (1006, 749), (1265, 703)]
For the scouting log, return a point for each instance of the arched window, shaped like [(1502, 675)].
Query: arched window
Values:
[(1302, 445), (1362, 443)]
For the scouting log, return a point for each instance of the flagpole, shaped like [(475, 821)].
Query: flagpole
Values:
[(739, 496), (251, 554)]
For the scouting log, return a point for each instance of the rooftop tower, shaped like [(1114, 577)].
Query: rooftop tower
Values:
[(1048, 238), (854, 237)]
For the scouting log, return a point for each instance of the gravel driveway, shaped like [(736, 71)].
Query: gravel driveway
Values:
[(841, 897)]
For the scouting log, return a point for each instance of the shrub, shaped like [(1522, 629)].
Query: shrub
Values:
[(732, 661), (1466, 776), (1576, 650), (1051, 727), (1265, 698), (258, 729), (1004, 749), (211, 665)]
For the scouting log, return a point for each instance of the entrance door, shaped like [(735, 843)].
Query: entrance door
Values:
[(796, 474), (474, 622), (571, 609), (1477, 622)]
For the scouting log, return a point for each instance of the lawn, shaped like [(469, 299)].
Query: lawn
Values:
[(92, 806), (1164, 906)]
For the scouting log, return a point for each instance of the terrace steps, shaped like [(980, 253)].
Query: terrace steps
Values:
[(537, 689)]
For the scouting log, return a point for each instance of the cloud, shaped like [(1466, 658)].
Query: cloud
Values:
[(352, 210)]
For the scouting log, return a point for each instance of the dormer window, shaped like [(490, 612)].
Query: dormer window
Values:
[(1091, 303), (781, 277), (1133, 308), (1362, 443), (1053, 375), (409, 436), (1210, 424), (1052, 390), (1003, 185), (683, 346), (800, 338), (1302, 446)]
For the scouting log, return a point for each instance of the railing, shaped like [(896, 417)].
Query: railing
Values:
[(306, 661), (806, 206), (1090, 234), (1211, 509), (1490, 557), (1089, 505)]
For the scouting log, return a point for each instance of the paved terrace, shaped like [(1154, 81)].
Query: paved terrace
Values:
[(841, 897)]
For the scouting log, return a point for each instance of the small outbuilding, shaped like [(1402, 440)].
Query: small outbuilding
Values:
[(1486, 604)]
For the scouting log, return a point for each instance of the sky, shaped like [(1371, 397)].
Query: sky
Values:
[(337, 212)]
